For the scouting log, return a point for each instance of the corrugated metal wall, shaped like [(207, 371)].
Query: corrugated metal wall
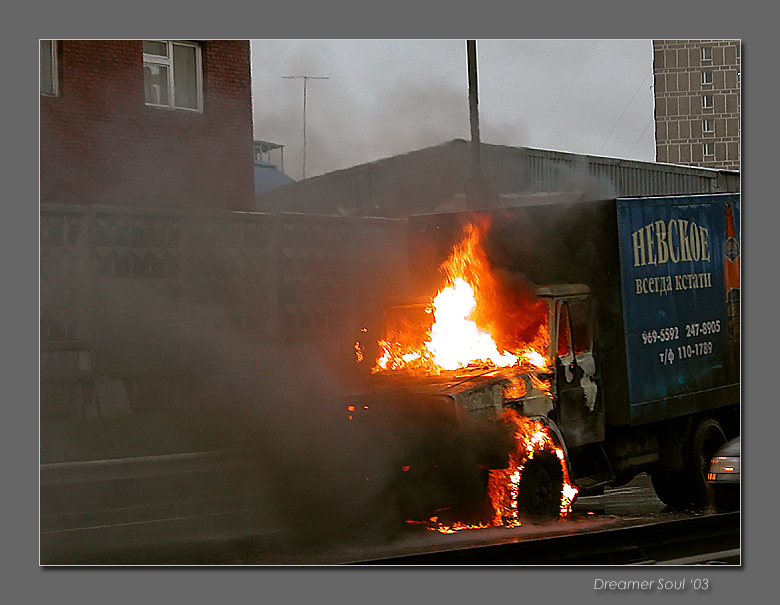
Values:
[(425, 180), (543, 170)]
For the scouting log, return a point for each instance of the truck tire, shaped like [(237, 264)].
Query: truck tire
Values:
[(672, 488), (688, 487), (707, 439), (540, 489)]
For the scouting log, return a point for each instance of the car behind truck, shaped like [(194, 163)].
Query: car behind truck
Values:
[(641, 309)]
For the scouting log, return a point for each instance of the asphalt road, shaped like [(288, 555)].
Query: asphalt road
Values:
[(632, 504), (635, 499)]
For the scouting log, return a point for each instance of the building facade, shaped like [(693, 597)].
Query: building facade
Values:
[(697, 102), (149, 124)]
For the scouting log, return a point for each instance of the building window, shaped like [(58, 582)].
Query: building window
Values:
[(706, 77), (707, 102), (49, 68), (706, 53), (707, 126), (173, 75), (709, 149)]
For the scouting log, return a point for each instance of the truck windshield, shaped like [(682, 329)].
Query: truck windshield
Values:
[(574, 327), (579, 311), (563, 332)]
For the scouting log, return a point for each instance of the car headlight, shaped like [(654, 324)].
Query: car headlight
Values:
[(724, 468)]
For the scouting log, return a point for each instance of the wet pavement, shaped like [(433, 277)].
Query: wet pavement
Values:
[(636, 498), (632, 504)]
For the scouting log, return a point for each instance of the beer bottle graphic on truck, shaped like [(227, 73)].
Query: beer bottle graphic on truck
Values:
[(731, 272)]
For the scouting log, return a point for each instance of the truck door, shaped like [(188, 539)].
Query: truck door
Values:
[(580, 413)]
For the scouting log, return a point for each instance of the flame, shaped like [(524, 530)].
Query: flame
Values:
[(475, 319), (536, 359), (456, 340), (516, 388)]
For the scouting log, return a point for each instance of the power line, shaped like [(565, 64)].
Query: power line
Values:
[(305, 82), (640, 136), (624, 112)]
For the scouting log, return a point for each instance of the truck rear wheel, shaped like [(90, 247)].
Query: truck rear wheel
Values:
[(688, 487), (540, 489), (672, 488), (707, 439)]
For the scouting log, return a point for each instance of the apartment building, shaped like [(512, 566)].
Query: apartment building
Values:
[(697, 102)]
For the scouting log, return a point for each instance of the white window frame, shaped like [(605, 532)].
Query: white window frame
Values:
[(168, 62), (706, 53), (706, 77), (704, 104), (55, 85), (707, 126), (709, 145)]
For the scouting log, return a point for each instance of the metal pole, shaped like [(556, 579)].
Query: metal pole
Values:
[(476, 158), (305, 82)]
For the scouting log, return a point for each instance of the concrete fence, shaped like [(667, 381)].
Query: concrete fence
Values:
[(134, 302), (106, 510)]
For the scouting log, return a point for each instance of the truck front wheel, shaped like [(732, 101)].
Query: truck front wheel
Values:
[(540, 489)]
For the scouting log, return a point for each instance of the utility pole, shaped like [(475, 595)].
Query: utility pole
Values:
[(476, 159), (305, 82), (480, 191)]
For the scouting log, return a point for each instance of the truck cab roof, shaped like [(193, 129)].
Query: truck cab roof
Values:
[(558, 290)]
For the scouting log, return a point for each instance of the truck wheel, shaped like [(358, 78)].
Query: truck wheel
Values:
[(688, 487), (672, 488), (540, 489), (709, 436)]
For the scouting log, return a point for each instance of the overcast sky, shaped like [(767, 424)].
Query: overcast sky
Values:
[(386, 97)]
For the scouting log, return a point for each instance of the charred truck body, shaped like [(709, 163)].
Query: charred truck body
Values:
[(639, 302)]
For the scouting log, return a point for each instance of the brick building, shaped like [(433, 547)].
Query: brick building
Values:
[(697, 102), (164, 124)]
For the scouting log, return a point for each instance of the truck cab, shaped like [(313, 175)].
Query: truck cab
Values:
[(563, 388), (462, 412), (577, 407)]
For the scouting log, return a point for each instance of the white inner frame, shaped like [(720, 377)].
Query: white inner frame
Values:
[(157, 60), (707, 101), (709, 146), (706, 77), (55, 92)]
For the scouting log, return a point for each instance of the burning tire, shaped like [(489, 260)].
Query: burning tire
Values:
[(688, 487), (540, 489)]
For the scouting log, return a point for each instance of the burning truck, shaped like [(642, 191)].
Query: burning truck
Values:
[(554, 349)]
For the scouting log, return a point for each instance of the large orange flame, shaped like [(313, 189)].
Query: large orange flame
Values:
[(476, 318)]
